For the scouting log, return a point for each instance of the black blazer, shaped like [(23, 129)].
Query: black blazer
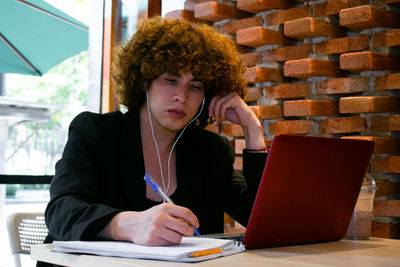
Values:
[(101, 174)]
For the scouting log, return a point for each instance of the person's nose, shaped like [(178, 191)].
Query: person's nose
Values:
[(181, 94)]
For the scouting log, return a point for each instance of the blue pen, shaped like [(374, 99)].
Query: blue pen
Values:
[(157, 189)]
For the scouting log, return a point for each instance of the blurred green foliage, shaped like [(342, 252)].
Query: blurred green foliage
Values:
[(34, 147)]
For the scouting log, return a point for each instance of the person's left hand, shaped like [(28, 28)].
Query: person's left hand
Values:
[(232, 108)]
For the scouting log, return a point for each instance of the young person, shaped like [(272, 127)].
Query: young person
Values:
[(172, 76)]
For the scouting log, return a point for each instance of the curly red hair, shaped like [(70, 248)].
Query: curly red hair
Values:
[(175, 46)]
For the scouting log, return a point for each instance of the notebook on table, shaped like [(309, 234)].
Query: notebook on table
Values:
[(308, 190), (191, 249)]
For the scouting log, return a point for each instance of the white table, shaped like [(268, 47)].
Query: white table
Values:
[(373, 252)]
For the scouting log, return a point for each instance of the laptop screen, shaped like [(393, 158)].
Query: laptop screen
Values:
[(308, 190)]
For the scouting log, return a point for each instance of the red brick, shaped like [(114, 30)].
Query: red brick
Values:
[(366, 17), (231, 129), (256, 6), (253, 93), (282, 16), (389, 164), (214, 11), (333, 7), (232, 27), (228, 220), (258, 36), (191, 4), (379, 124), (385, 188), (304, 68), (388, 82), (383, 144), (385, 230), (342, 125), (267, 112), (312, 27), (288, 53), (387, 208), (385, 124), (289, 90), (291, 127), (394, 122), (368, 104), (251, 59), (343, 86), (183, 15), (342, 45), (309, 108), (368, 60), (213, 128), (260, 74), (236, 228), (388, 38)]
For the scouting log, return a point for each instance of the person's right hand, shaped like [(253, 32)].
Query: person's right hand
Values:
[(160, 225)]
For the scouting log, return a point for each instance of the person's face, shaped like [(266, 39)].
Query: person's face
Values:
[(174, 100)]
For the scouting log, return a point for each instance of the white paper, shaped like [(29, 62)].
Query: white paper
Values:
[(179, 252)]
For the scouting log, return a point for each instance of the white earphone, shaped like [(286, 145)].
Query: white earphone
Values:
[(173, 146)]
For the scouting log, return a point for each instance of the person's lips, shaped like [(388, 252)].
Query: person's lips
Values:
[(176, 113)]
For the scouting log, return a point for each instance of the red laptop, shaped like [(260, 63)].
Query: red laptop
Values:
[(308, 190)]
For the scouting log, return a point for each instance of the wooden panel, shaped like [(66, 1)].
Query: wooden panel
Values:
[(108, 102)]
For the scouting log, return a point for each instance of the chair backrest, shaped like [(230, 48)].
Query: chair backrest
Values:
[(24, 230)]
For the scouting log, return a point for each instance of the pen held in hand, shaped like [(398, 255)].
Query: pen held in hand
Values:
[(156, 188)]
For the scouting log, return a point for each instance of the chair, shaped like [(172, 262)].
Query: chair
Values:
[(24, 230)]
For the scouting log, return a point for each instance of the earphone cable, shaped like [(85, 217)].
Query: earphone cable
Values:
[(179, 136), (155, 143), (166, 189)]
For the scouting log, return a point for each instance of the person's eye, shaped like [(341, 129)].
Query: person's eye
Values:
[(197, 87), (171, 80)]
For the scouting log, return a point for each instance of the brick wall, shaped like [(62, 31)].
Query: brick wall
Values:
[(323, 68)]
